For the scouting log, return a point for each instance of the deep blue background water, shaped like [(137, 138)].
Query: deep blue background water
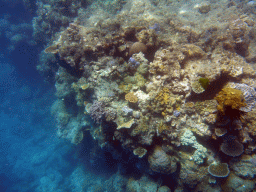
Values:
[(29, 147), (32, 157)]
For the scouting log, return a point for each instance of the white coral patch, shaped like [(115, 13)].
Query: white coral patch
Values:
[(142, 97)]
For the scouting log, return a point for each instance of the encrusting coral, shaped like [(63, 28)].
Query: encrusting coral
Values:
[(131, 97), (230, 97)]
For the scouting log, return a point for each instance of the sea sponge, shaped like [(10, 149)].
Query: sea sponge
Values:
[(232, 147), (131, 97), (137, 47), (219, 169), (230, 97)]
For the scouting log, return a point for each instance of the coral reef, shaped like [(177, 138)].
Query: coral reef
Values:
[(188, 139), (170, 87), (140, 151), (249, 96)]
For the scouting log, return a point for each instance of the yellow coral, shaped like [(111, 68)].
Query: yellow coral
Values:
[(229, 97), (84, 86), (131, 97), (163, 96), (162, 127)]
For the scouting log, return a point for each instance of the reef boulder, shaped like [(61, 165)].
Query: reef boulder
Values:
[(160, 162)]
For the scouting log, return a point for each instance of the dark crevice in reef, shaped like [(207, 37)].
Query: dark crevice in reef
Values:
[(211, 91), (73, 71)]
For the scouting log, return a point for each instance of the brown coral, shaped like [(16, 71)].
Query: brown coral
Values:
[(138, 47), (220, 131), (148, 37), (229, 98), (131, 97), (193, 51)]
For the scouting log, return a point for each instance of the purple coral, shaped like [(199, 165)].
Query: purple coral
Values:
[(97, 111), (133, 63), (155, 27)]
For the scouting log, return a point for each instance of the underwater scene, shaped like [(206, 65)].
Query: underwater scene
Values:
[(128, 96)]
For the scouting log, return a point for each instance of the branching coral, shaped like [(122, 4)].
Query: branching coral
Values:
[(163, 97), (164, 102)]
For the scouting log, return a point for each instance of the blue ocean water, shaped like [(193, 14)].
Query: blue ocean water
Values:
[(31, 153)]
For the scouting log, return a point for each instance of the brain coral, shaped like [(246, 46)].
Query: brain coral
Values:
[(131, 97), (138, 47)]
